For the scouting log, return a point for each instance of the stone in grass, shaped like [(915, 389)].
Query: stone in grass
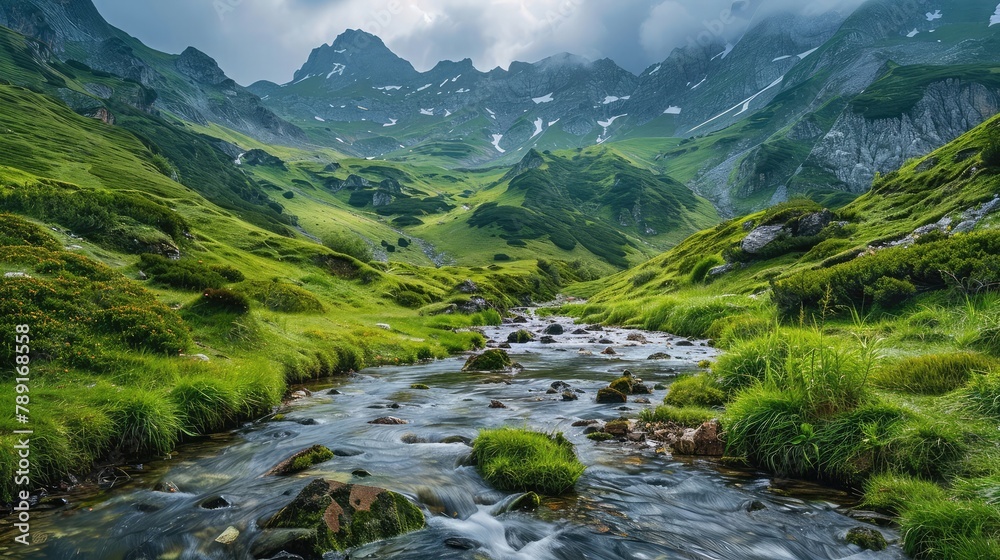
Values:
[(329, 515), (610, 396), (867, 538), (301, 461), (491, 360), (520, 337)]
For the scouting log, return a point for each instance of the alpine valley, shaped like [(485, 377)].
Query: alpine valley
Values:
[(788, 228)]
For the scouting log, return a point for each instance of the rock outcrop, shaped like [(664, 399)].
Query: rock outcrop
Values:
[(328, 515)]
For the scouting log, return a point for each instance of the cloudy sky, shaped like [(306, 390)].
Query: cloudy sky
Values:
[(270, 39)]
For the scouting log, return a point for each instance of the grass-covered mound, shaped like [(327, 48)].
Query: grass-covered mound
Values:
[(522, 460)]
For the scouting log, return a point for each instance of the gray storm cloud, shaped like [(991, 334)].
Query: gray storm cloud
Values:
[(269, 39)]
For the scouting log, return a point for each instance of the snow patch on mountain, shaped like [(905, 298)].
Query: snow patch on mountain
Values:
[(995, 18), (428, 112), (655, 70), (496, 142), (913, 33), (551, 123), (745, 104), (543, 99), (320, 119), (672, 110), (699, 83), (538, 126), (802, 56), (389, 88), (725, 53), (338, 68), (422, 88), (392, 122), (936, 15)]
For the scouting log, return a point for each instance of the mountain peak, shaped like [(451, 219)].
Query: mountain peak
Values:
[(354, 55), (200, 67)]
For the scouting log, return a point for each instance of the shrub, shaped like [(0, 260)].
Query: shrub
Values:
[(502, 257), (928, 266), (933, 374), (230, 273), (521, 460), (890, 292), (288, 195), (283, 297), (349, 244), (226, 301), (688, 416), (696, 390), (403, 242), (180, 274)]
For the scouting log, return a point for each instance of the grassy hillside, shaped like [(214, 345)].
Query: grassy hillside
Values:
[(866, 355), (168, 294)]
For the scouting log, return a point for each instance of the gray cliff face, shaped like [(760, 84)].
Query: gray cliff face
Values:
[(856, 148)]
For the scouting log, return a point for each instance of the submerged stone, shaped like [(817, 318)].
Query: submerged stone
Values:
[(338, 516), (867, 538)]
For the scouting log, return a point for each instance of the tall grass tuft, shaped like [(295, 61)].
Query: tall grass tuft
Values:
[(695, 390), (145, 421), (522, 460), (933, 374)]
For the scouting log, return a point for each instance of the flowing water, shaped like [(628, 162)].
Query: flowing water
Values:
[(633, 502)]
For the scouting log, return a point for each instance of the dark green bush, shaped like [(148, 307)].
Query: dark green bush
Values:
[(182, 274), (230, 273), (224, 300), (930, 266), (349, 244), (288, 194), (890, 292)]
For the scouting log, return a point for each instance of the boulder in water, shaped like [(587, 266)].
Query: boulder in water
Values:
[(301, 461), (338, 516), (491, 360)]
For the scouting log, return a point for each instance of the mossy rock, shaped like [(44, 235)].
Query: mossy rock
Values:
[(600, 436), (623, 385), (520, 337), (491, 360), (345, 516), (610, 396), (301, 461), (420, 387), (867, 538)]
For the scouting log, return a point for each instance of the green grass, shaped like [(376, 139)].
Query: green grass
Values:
[(934, 374), (521, 460), (695, 390), (687, 416)]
